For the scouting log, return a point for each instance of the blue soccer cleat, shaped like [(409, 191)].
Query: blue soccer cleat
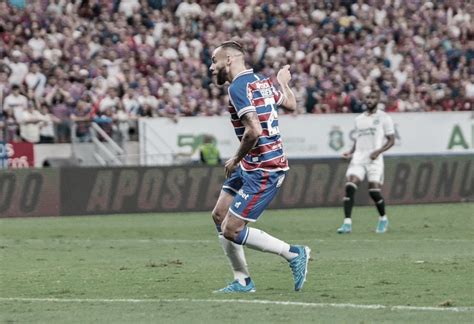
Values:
[(382, 226), (345, 229), (299, 266), (236, 287)]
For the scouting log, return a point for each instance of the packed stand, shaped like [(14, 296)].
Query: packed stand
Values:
[(112, 62)]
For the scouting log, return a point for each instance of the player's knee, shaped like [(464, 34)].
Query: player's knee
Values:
[(229, 233), (218, 215), (235, 234), (238, 236), (351, 188), (376, 195)]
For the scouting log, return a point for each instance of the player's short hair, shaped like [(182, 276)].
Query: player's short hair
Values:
[(234, 45), (375, 90)]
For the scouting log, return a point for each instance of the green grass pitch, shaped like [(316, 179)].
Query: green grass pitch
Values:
[(163, 268)]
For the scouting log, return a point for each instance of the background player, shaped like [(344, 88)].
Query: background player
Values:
[(258, 168), (374, 135)]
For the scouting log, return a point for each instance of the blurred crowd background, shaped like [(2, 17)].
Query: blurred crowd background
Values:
[(112, 62)]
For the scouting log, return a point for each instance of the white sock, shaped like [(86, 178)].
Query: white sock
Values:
[(236, 256), (261, 241), (348, 220), (384, 217)]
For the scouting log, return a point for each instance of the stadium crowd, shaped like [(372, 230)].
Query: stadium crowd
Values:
[(115, 61)]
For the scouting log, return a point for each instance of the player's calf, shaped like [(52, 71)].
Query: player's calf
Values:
[(351, 189), (348, 199), (376, 195)]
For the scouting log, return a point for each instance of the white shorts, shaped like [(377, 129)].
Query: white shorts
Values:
[(374, 171)]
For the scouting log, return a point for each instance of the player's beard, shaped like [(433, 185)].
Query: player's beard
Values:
[(221, 76), (371, 107)]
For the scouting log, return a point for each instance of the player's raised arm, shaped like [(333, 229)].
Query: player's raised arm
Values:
[(289, 99)]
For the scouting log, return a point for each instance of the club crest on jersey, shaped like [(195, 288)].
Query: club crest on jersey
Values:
[(376, 121)]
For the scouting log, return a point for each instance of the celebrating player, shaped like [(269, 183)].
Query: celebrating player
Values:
[(257, 170), (373, 128)]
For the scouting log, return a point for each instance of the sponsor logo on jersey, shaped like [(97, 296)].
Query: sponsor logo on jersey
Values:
[(243, 194)]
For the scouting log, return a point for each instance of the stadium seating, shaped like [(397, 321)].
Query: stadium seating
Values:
[(116, 61)]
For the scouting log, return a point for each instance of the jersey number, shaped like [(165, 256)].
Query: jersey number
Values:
[(272, 130)]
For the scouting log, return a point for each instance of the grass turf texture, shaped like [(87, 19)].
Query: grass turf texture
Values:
[(173, 262)]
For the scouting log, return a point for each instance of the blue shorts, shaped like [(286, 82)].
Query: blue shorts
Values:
[(253, 191)]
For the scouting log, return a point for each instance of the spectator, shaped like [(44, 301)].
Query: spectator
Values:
[(111, 101), (122, 126), (130, 102), (174, 87), (147, 100), (469, 87), (30, 123), (47, 133), (19, 70), (419, 55), (105, 120), (228, 7), (60, 110), (188, 10), (129, 7), (11, 127), (209, 152), (312, 97), (37, 45), (82, 118), (16, 102), (20, 4), (5, 87), (35, 80)]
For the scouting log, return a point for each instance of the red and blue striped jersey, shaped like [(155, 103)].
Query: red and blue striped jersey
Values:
[(251, 92)]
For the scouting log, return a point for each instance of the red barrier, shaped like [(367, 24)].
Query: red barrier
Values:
[(17, 155)]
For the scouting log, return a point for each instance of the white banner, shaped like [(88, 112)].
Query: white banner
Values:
[(163, 141)]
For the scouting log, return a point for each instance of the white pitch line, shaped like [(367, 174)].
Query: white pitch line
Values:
[(185, 241), (240, 301), (68, 240)]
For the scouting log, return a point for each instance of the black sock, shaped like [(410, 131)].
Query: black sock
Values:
[(376, 196), (349, 199)]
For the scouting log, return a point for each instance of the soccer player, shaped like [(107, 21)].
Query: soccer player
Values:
[(374, 135), (257, 170)]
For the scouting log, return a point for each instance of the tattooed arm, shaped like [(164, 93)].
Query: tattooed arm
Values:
[(253, 129), (284, 77)]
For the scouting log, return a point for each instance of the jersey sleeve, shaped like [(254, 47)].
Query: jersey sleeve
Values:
[(388, 127), (240, 97), (278, 96)]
